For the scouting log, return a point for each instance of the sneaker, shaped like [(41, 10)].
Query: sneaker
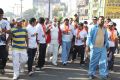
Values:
[(64, 64), (111, 71), (55, 64), (51, 58), (82, 65), (15, 77), (72, 61), (2, 71), (105, 78), (38, 69), (22, 70), (30, 73), (92, 77)]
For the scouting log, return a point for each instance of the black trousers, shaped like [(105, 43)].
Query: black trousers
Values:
[(31, 55), (42, 54), (111, 57), (3, 56), (72, 52), (80, 50)]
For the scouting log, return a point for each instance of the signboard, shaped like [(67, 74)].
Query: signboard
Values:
[(113, 1), (112, 11)]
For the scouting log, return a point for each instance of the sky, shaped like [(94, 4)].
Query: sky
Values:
[(8, 5)]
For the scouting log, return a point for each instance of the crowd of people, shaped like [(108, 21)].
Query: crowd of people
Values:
[(96, 42)]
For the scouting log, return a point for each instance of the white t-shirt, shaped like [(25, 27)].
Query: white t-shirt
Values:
[(82, 34), (41, 34), (54, 34), (67, 37), (31, 36), (3, 25), (111, 43)]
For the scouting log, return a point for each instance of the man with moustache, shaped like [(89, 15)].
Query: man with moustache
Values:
[(97, 40)]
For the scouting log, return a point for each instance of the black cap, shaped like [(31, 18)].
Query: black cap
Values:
[(81, 24), (94, 18), (66, 19), (75, 15)]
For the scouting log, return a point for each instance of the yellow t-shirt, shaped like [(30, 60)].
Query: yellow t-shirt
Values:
[(19, 35)]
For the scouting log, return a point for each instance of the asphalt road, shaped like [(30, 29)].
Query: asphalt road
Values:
[(72, 71)]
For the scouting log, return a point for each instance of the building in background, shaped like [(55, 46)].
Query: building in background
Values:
[(71, 7), (96, 8), (86, 9), (77, 6), (107, 8), (43, 6), (83, 7)]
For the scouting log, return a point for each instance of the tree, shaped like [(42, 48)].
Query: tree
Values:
[(29, 13), (56, 10), (10, 15)]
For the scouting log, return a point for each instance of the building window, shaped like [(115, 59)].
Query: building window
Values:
[(86, 11), (106, 16), (95, 0)]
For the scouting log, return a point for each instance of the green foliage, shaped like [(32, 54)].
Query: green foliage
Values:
[(29, 13), (60, 18)]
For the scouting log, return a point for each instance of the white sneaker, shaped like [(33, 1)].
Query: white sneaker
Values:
[(30, 73), (48, 60), (15, 77), (51, 58), (55, 64), (38, 69), (22, 70)]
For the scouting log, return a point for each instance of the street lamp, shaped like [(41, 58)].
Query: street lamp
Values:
[(49, 10), (78, 11), (17, 6), (21, 8)]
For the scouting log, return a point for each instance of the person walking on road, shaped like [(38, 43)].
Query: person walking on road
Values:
[(42, 36), (4, 29), (97, 40), (32, 44), (19, 48), (67, 34)]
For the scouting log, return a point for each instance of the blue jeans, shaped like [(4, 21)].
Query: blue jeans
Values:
[(65, 51), (98, 56)]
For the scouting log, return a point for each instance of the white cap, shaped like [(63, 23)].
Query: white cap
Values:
[(110, 23), (19, 20), (85, 24)]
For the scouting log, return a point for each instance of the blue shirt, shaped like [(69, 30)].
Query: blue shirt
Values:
[(92, 36)]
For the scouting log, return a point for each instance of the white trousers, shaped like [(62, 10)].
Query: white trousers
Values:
[(19, 59), (53, 49)]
